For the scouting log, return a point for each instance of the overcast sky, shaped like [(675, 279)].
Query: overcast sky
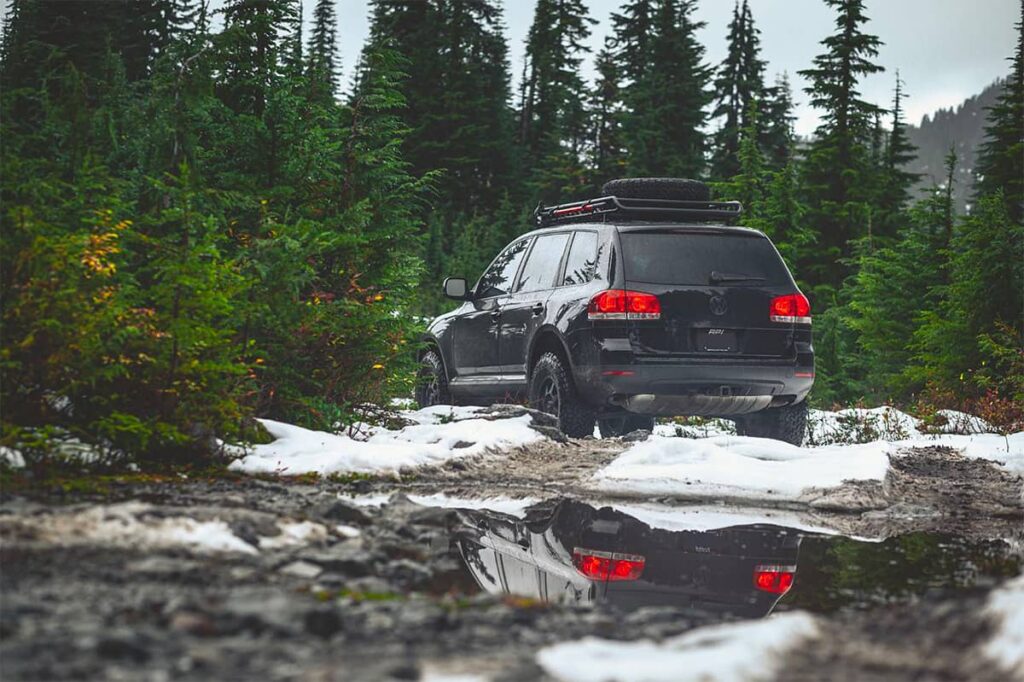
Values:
[(946, 50)]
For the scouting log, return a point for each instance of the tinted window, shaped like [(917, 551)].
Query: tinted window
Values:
[(581, 266), (542, 266), (690, 258), (498, 278)]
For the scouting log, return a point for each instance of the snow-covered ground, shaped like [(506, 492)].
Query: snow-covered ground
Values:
[(737, 651), (736, 467), (438, 434), (679, 461), (855, 445)]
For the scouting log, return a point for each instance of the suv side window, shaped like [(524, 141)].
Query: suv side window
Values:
[(498, 278), (541, 267), (581, 265)]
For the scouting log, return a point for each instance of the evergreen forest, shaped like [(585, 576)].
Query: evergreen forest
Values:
[(202, 223)]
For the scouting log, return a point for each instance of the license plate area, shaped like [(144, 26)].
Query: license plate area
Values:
[(716, 341)]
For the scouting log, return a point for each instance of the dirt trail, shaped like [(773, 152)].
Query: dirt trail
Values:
[(931, 488), (130, 591)]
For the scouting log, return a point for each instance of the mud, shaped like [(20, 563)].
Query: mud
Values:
[(383, 593)]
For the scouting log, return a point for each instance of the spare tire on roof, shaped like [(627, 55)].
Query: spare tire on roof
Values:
[(676, 189)]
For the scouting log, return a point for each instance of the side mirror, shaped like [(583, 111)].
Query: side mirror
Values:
[(456, 288)]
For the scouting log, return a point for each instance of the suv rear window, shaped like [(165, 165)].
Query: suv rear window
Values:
[(667, 257)]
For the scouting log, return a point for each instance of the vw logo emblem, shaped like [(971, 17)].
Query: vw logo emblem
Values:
[(718, 305)]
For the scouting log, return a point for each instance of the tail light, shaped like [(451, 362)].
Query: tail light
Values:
[(611, 566), (774, 579), (790, 308), (617, 304)]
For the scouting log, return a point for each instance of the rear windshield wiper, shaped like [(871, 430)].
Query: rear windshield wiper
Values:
[(717, 277)]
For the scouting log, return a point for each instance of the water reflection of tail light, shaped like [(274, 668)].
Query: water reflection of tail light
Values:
[(611, 566), (774, 579)]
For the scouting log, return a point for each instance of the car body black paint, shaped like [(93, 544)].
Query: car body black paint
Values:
[(701, 357)]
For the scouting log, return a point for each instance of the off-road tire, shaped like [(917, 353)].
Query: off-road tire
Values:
[(612, 427), (674, 189), (788, 424), (575, 419), (432, 382)]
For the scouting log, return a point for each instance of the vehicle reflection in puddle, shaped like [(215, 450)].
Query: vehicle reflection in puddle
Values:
[(570, 552)]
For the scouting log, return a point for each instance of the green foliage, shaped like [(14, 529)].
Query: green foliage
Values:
[(1000, 165), (196, 230), (738, 84), (895, 285), (958, 345), (667, 97), (200, 240), (837, 173), (553, 118)]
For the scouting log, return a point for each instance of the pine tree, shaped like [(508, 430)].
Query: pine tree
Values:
[(553, 116), (980, 304), (838, 175), (293, 59), (739, 82), (892, 287), (607, 154), (250, 51), (663, 131), (321, 60), (895, 181), (777, 136), (748, 184), (630, 42), (457, 91), (1000, 165)]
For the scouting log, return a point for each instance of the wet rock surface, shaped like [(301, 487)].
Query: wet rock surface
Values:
[(384, 593)]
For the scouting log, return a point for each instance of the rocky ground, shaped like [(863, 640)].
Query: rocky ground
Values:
[(241, 578)]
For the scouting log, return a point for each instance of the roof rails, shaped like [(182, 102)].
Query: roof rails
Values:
[(637, 209)]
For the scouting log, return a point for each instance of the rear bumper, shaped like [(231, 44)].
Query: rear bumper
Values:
[(717, 388)]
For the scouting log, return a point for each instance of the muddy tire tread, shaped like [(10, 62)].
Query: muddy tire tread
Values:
[(575, 420), (432, 362)]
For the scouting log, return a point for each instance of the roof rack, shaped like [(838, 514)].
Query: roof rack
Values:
[(637, 209)]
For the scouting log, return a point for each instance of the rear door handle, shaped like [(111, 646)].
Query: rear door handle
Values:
[(537, 308)]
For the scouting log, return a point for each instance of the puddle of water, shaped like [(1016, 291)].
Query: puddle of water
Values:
[(570, 552)]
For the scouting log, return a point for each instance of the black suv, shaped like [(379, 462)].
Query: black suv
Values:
[(642, 303)]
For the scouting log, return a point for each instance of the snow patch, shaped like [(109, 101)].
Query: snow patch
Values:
[(140, 526), (734, 651), (1006, 607), (436, 434), (844, 446), (737, 467)]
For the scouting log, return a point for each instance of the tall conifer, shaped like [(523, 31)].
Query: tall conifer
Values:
[(895, 180), (1000, 164), (740, 81), (838, 174), (322, 58), (663, 130), (777, 136), (553, 117)]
